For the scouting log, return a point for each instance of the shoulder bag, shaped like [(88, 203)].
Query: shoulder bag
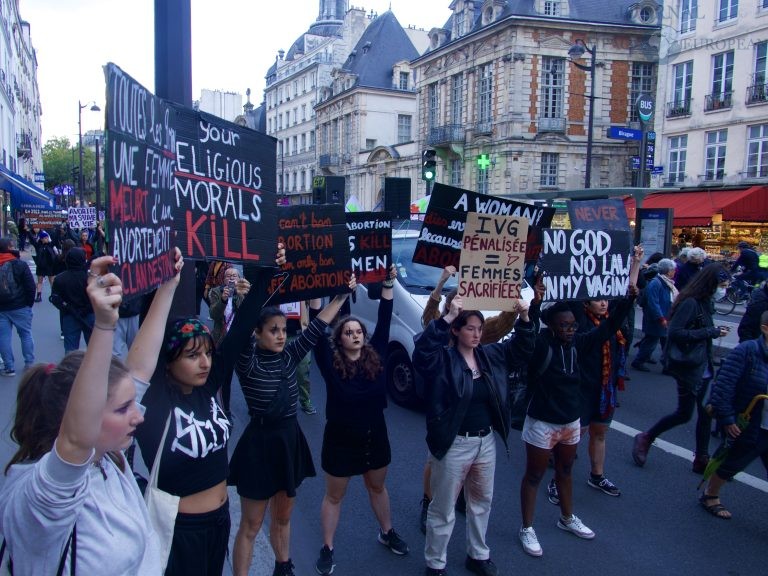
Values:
[(687, 354), (161, 506)]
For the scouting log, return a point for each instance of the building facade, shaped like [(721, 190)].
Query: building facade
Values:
[(712, 99), (506, 110)]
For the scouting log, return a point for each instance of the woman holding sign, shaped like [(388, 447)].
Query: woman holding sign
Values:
[(467, 399), (355, 441), (272, 457)]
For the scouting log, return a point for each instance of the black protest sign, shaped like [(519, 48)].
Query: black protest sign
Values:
[(140, 160), (442, 231), (317, 252), (604, 214), (225, 206), (370, 245), (585, 264)]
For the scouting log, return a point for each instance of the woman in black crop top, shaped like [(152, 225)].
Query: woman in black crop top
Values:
[(355, 441), (182, 396)]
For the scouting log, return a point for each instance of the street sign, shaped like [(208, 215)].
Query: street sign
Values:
[(635, 162), (657, 170), (622, 133), (39, 177), (646, 105)]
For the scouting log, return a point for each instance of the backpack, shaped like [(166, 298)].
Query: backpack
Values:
[(9, 288)]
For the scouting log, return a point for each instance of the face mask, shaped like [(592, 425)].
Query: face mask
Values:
[(719, 293)]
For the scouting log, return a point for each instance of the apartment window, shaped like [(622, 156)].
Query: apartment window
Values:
[(324, 139), (689, 12), (682, 84), (370, 143), (303, 112), (552, 85), (552, 8), (433, 106), (482, 181), (485, 94), (677, 154), (722, 73), (455, 166), (312, 140), (715, 155), (757, 151), (303, 183), (280, 121), (459, 18), (347, 133), (729, 9), (642, 83), (303, 143), (457, 98), (403, 128), (549, 164), (404, 80)]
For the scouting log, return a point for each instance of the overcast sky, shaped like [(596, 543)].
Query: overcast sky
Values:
[(233, 44)]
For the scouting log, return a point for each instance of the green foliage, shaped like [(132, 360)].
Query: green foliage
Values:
[(59, 157)]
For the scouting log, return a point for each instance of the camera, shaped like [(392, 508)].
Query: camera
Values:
[(231, 286)]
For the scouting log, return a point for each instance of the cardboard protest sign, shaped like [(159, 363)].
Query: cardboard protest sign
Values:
[(140, 160), (585, 264), (370, 245), (442, 231), (492, 260), (40, 217), (317, 252), (81, 217), (604, 214), (225, 205)]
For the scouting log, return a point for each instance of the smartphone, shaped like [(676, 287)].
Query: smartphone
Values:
[(231, 286)]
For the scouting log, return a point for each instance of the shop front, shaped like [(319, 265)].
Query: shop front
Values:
[(716, 220)]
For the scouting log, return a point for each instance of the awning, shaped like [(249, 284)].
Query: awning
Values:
[(696, 208), (22, 191)]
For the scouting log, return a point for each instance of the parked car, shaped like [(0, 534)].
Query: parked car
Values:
[(411, 292)]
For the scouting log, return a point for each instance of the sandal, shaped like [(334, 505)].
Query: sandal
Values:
[(717, 510)]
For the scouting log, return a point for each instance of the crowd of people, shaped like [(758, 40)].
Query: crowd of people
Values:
[(70, 496)]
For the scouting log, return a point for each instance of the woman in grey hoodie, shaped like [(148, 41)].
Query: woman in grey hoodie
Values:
[(69, 495)]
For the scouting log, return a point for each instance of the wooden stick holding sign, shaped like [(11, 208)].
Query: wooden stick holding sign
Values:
[(492, 261)]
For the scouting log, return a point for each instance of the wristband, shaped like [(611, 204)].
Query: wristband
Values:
[(107, 328), (388, 283)]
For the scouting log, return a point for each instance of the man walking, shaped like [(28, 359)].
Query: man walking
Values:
[(17, 296)]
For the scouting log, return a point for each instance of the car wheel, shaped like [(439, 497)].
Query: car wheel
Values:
[(401, 379)]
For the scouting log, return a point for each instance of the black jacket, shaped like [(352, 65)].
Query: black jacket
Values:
[(449, 384), (70, 284), (691, 323), (749, 327), (25, 295)]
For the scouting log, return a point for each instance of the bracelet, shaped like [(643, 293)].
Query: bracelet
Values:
[(107, 328), (388, 283)]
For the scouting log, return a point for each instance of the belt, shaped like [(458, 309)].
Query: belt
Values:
[(477, 433)]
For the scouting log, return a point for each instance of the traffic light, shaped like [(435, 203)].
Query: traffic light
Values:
[(428, 165)]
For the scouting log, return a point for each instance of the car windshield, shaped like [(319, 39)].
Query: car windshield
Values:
[(417, 278)]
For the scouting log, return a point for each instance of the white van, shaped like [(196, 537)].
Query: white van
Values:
[(412, 289)]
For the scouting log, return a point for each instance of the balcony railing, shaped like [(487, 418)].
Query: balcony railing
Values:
[(485, 127), (719, 101), (23, 145), (326, 160), (551, 125), (757, 93), (445, 134), (756, 172), (679, 108)]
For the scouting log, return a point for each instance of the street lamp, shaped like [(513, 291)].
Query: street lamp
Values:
[(576, 52), (94, 108)]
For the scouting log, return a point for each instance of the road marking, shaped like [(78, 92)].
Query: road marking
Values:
[(685, 454)]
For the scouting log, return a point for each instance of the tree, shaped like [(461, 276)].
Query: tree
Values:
[(59, 157)]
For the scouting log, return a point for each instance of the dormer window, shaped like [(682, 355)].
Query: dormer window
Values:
[(552, 8), (644, 13)]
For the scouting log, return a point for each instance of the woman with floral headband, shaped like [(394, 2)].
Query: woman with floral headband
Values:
[(181, 407)]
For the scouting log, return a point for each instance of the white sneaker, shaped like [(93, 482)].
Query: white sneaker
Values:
[(575, 526), (530, 542)]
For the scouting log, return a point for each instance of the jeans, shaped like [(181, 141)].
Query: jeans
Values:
[(72, 328), (687, 399), (470, 462), (21, 318), (647, 346)]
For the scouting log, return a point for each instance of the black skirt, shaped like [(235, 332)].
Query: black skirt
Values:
[(353, 449), (270, 458)]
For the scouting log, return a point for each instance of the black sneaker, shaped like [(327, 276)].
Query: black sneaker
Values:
[(436, 571), (552, 495), (393, 541), (481, 567), (283, 569), (602, 483), (424, 509), (325, 564)]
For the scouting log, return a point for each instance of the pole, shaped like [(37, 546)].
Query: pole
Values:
[(98, 183), (591, 121), (80, 179)]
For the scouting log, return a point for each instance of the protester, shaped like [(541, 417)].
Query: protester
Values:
[(466, 396), (45, 260), (494, 329), (355, 440), (69, 295), (552, 423), (272, 457), (692, 330), (297, 318), (215, 276), (657, 301), (68, 493), (13, 231), (99, 241), (747, 265), (85, 244), (743, 375), (749, 326), (17, 296), (23, 233), (688, 269)]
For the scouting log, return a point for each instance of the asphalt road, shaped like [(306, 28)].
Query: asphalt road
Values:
[(655, 527)]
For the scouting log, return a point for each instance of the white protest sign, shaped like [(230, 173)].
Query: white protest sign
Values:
[(82, 217)]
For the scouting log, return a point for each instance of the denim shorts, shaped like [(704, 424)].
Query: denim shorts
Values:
[(545, 435)]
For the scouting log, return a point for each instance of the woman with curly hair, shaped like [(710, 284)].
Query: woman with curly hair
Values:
[(355, 441)]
